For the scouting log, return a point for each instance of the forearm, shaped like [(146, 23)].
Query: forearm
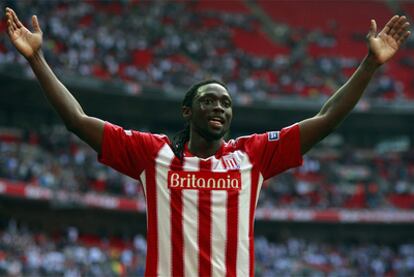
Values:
[(58, 95), (344, 100), (338, 106), (382, 46)]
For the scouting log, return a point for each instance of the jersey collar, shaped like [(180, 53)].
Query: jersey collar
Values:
[(218, 154)]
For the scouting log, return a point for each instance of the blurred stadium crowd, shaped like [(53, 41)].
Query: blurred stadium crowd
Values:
[(342, 176), (173, 44), (28, 253)]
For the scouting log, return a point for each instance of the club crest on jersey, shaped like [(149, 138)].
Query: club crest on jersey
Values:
[(272, 136), (204, 180), (230, 162), (128, 132)]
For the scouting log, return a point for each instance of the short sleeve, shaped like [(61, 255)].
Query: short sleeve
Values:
[(275, 151), (127, 151)]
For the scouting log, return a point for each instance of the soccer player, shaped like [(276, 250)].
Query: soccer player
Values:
[(201, 191)]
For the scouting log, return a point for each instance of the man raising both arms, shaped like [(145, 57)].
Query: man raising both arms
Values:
[(201, 191)]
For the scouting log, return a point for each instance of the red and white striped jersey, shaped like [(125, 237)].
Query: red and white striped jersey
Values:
[(200, 212)]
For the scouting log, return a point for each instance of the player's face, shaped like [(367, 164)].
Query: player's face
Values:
[(211, 112)]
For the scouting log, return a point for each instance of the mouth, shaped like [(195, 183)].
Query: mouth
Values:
[(216, 121)]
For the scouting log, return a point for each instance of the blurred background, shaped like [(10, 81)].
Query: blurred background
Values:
[(348, 211)]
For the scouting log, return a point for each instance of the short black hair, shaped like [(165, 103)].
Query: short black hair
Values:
[(191, 92), (183, 136)]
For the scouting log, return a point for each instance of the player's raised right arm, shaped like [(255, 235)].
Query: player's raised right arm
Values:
[(89, 129)]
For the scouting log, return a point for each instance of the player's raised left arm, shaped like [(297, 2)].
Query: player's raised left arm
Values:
[(382, 46), (29, 44)]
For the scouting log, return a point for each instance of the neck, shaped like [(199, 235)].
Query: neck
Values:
[(202, 148)]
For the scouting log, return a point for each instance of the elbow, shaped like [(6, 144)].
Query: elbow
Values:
[(71, 127), (330, 123), (73, 124)]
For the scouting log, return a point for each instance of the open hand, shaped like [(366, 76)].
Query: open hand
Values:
[(26, 42), (385, 44)]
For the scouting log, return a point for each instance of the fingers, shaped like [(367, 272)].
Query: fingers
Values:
[(35, 23), (398, 26), (372, 29), (390, 24), (14, 17), (403, 29), (10, 28), (403, 37), (400, 30), (13, 22), (11, 25)]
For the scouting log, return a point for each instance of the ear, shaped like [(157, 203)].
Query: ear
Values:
[(186, 112)]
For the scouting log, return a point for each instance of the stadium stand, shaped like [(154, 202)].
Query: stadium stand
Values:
[(181, 42), (28, 253), (331, 177)]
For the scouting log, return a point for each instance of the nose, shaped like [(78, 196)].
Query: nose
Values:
[(218, 106)]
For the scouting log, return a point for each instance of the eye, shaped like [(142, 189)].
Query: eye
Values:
[(207, 101), (227, 103)]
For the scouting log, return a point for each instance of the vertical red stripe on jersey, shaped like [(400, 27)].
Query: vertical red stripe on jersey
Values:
[(204, 226), (253, 195), (152, 235), (177, 237), (232, 232)]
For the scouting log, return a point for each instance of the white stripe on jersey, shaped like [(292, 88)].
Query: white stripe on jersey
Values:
[(144, 182), (163, 161), (242, 265), (219, 199), (218, 225), (190, 215), (259, 187), (144, 187)]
